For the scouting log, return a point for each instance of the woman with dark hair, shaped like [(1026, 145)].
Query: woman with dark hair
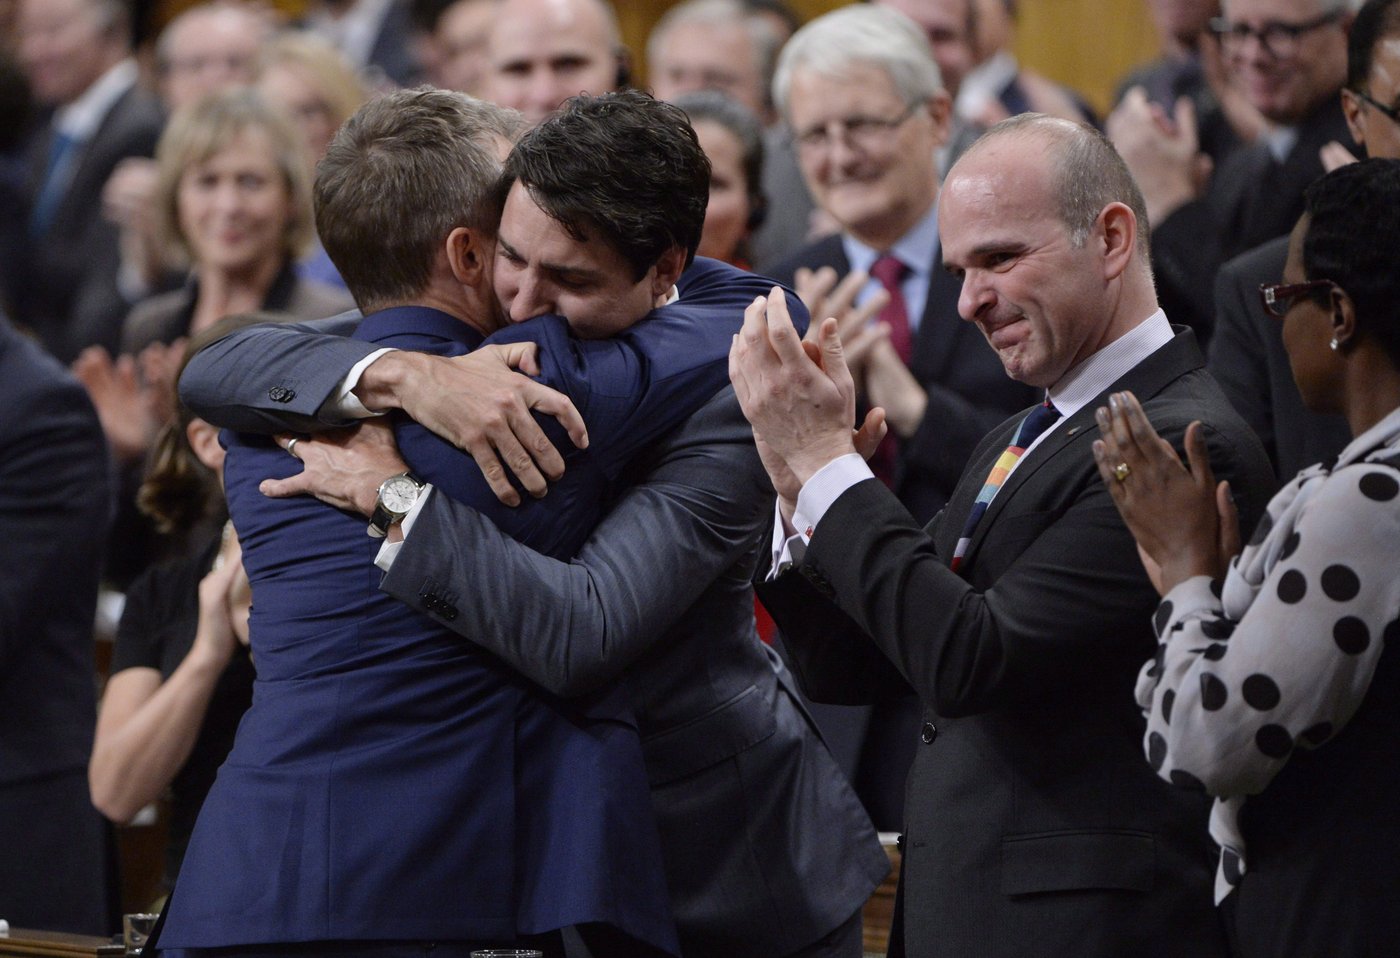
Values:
[(732, 139), (1272, 690), (181, 675)]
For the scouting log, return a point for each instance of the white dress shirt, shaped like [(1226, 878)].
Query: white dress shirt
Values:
[(1076, 389)]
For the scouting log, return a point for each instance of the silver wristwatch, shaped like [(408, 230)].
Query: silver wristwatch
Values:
[(397, 494)]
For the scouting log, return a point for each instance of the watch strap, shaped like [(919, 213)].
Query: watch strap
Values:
[(382, 518)]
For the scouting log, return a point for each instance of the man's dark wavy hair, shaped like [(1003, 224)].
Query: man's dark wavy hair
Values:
[(623, 166), (1353, 239)]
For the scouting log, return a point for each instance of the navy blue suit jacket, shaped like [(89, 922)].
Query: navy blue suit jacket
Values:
[(389, 773), (55, 509)]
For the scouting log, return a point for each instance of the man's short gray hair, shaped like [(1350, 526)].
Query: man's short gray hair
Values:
[(861, 34)]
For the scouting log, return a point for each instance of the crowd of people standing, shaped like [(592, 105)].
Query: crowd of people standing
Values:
[(1084, 660)]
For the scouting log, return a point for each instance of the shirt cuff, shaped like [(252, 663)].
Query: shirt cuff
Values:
[(824, 488), (345, 404), (389, 551), (788, 546)]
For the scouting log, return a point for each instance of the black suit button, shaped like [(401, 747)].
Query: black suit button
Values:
[(448, 612), (281, 394), (928, 733)]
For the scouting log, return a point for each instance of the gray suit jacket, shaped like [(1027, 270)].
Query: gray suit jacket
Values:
[(766, 847)]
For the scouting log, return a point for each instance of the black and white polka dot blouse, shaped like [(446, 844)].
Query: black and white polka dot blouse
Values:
[(1279, 657)]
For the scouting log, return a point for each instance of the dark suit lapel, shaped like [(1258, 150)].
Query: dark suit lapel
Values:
[(940, 328), (1145, 380)]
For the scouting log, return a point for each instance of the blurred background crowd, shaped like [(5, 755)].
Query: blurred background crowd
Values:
[(155, 169)]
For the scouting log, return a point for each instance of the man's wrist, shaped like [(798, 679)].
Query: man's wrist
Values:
[(382, 383), (806, 463)]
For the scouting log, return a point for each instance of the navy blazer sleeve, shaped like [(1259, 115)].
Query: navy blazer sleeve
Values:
[(277, 377), (273, 377)]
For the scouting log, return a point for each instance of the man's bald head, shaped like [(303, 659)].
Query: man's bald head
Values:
[(1086, 171), (541, 52)]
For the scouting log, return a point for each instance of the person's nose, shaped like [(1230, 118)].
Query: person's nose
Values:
[(530, 300), (976, 296)]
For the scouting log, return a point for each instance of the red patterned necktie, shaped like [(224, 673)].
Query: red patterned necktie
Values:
[(889, 271)]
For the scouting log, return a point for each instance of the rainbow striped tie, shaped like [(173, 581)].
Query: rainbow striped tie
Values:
[(1036, 422)]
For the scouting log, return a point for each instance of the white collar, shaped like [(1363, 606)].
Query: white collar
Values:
[(1082, 384), (916, 249), (81, 118), (984, 83)]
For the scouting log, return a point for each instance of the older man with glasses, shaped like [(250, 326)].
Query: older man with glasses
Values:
[(1289, 59), (863, 96), (1247, 355)]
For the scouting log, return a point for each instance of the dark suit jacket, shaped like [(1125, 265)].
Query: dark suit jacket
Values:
[(1248, 358), (1251, 200), (968, 390), (69, 295), (766, 848), (1034, 823), (54, 510)]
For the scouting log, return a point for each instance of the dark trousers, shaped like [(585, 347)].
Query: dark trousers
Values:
[(844, 941)]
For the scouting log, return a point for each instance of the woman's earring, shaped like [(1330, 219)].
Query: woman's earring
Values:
[(1335, 346)]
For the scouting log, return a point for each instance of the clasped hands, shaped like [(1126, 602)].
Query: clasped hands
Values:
[(798, 396)]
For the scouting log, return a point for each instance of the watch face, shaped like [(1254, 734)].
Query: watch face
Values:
[(398, 494)]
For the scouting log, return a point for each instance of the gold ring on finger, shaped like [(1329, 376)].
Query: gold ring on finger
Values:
[(1122, 471)]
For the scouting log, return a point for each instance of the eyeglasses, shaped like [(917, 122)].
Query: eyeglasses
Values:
[(1279, 40), (861, 132), (1279, 298), (1393, 112)]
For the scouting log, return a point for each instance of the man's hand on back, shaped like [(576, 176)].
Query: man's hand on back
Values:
[(341, 467), (480, 403)]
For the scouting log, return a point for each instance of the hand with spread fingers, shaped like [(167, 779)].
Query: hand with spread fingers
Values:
[(341, 467), (1184, 523), (799, 396), (482, 402), (855, 324)]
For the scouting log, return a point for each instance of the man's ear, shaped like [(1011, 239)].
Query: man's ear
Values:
[(668, 269), (467, 257), (1351, 109), (1117, 227), (940, 110)]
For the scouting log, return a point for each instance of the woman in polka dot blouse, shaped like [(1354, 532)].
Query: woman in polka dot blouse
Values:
[(1270, 690)]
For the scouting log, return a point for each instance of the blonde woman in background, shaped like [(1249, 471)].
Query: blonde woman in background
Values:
[(311, 80)]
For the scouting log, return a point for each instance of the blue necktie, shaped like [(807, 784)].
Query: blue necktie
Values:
[(62, 152)]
